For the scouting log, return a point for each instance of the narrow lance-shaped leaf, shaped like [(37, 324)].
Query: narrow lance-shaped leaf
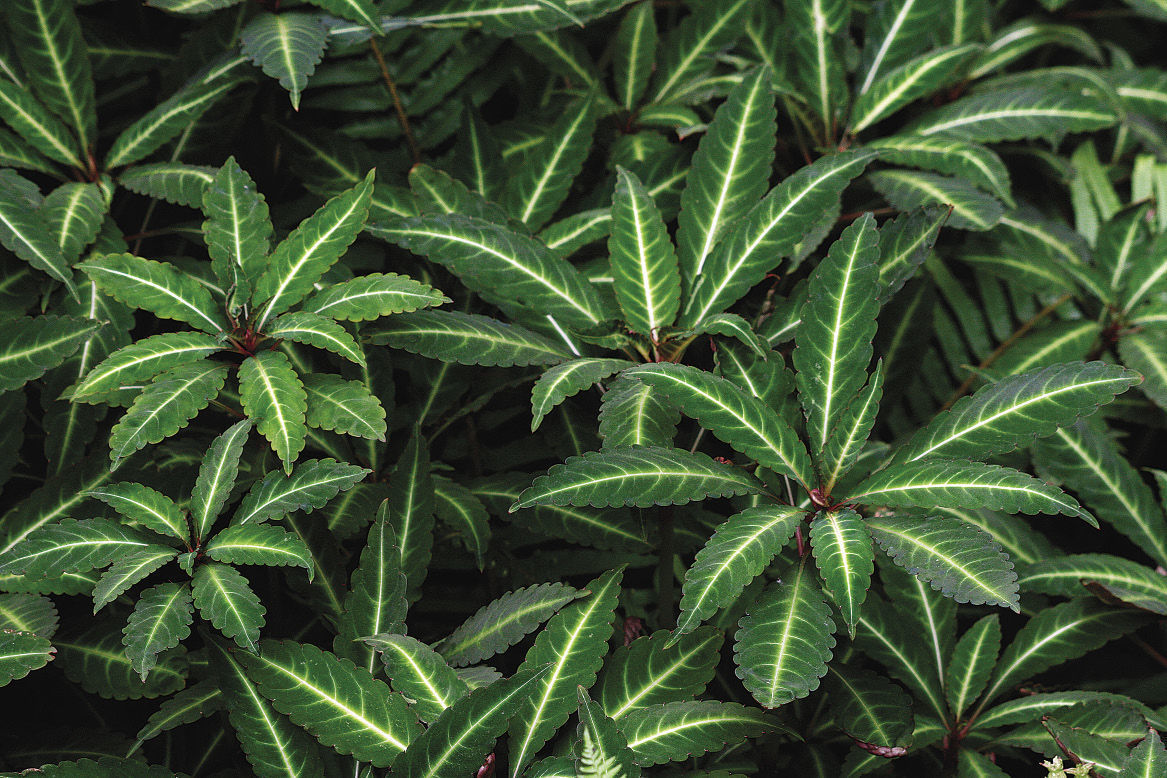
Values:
[(75, 212), (784, 642), (847, 439), (976, 164), (373, 296), (601, 748), (161, 620), (467, 338), (649, 671), (959, 560), (418, 672), (996, 116), (314, 330), (737, 553), (342, 406), (71, 545), (217, 473), (157, 287), (259, 544), (459, 509), (895, 31), (644, 267), (846, 559), (691, 46), (287, 46), (274, 397), (186, 707), (635, 50), (140, 361), (33, 345), (127, 571), (300, 259), (573, 643), (311, 484), (908, 82), (817, 27), (237, 230), (504, 622), (633, 414), (732, 415), (146, 507), (972, 661), (635, 475), (676, 731), (891, 640), (568, 379), (225, 598), (411, 509), (1071, 575), (730, 171), (375, 603), (23, 231), (35, 125), (972, 208), (173, 182)]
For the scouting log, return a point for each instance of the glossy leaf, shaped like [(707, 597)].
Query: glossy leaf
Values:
[(275, 399), (157, 287), (504, 622), (870, 708), (25, 232), (310, 485), (646, 280), (467, 338), (225, 598), (216, 479), (418, 672), (845, 557), (137, 363), (375, 603), (34, 345), (651, 670), (259, 544), (238, 229), (21, 653), (675, 731), (288, 46), (373, 296), (972, 662), (160, 621), (1015, 114), (568, 379), (139, 504)]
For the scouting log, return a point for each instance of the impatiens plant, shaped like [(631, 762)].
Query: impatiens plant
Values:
[(793, 402)]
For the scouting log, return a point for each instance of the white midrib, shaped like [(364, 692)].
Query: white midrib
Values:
[(833, 355), (892, 32), (875, 111), (1008, 113), (163, 290), (642, 262)]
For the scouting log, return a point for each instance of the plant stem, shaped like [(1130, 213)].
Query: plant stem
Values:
[(397, 106)]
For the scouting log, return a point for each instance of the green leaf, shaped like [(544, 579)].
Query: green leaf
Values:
[(635, 475), (770, 232), (341, 704), (972, 162), (972, 662), (959, 560), (846, 559), (459, 509), (467, 338), (28, 613), (732, 415), (139, 362), (165, 406), (157, 287), (128, 570), (21, 653), (146, 507), (160, 621), (601, 748), (894, 642), (574, 642), (567, 380), (97, 661), (224, 598), (960, 484), (238, 229), (676, 731), (25, 233), (1016, 114), (1141, 350), (315, 330), (71, 545), (634, 53), (309, 486), (1147, 759), (689, 50), (731, 325), (650, 670), (288, 46), (542, 183), (35, 125), (33, 345), (419, 673), (846, 441), (411, 509), (646, 280), (1069, 576), (504, 622), (216, 479), (1014, 411), (896, 31), (972, 209), (737, 553), (632, 414), (274, 746), (174, 115), (347, 407), (870, 708), (300, 259), (47, 37), (375, 602), (15, 153), (259, 544), (910, 81), (438, 192), (1088, 461), (355, 10), (373, 296), (1055, 635), (173, 182), (458, 742), (502, 265), (833, 343), (75, 212), (186, 707), (817, 28), (729, 173), (274, 397), (784, 641)]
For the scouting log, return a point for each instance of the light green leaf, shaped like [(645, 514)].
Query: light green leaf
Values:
[(259, 544), (33, 345), (160, 621), (991, 117), (165, 406), (646, 280), (173, 182), (729, 173), (128, 570), (25, 232), (504, 622), (910, 81), (34, 124), (157, 287), (372, 296), (958, 560), (341, 704), (770, 232), (651, 671), (833, 343), (972, 209), (869, 708), (500, 264), (347, 407), (466, 338), (632, 414), (635, 475), (971, 663), (574, 642), (846, 559), (21, 653), (300, 259), (375, 602), (567, 380), (216, 479), (676, 731), (634, 54), (71, 545), (419, 673), (224, 598), (238, 229), (784, 641), (737, 553), (288, 46), (731, 414), (961, 484), (146, 507), (972, 162), (141, 361), (275, 399), (689, 50)]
